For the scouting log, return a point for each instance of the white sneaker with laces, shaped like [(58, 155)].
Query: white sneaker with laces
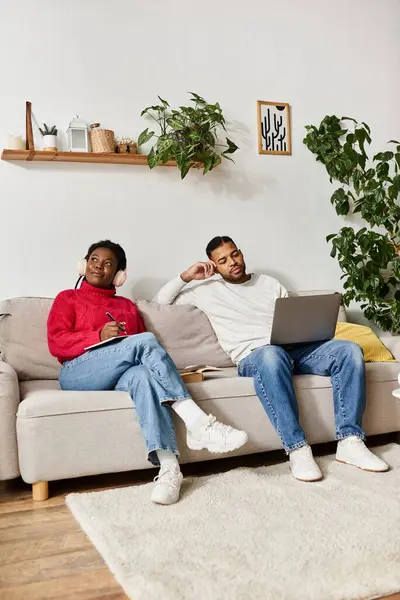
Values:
[(167, 485), (303, 465), (215, 437), (353, 451)]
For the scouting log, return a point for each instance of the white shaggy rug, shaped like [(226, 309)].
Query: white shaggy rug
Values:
[(254, 534)]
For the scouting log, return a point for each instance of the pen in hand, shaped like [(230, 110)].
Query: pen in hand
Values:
[(120, 324)]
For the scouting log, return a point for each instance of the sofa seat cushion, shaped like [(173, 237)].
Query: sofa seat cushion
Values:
[(45, 398)]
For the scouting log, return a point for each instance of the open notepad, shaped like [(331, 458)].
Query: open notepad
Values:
[(195, 373), (112, 339)]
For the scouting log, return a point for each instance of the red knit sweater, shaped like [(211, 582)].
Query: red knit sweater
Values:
[(77, 317)]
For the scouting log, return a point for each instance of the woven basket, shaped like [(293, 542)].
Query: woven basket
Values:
[(102, 141)]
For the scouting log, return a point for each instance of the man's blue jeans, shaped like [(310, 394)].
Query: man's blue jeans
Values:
[(273, 367), (139, 365)]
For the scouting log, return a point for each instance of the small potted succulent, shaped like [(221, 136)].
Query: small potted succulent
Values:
[(49, 137), (122, 145), (132, 146), (125, 144)]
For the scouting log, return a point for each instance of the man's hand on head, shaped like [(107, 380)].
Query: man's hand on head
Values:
[(199, 271)]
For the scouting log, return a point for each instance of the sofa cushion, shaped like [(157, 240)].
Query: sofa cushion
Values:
[(44, 398), (185, 332), (23, 338), (373, 348)]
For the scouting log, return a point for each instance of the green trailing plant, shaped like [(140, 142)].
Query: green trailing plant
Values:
[(369, 257), (48, 130), (187, 135)]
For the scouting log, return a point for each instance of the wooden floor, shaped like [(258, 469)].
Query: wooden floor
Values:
[(44, 555)]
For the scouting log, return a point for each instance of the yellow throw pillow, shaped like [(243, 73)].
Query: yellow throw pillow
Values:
[(374, 350)]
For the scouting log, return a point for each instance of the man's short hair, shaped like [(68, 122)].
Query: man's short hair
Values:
[(217, 242)]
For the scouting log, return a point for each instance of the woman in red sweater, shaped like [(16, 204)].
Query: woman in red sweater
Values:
[(136, 363)]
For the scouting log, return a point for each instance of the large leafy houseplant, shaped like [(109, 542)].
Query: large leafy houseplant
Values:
[(369, 257), (187, 135)]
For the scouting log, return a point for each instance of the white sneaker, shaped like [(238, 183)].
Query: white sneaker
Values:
[(167, 485), (353, 451), (303, 465), (215, 437)]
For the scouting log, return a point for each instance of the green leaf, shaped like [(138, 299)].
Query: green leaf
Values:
[(195, 135), (348, 119), (362, 158), (144, 137), (366, 127), (217, 160), (330, 236), (208, 163), (382, 170), (361, 232), (164, 102), (231, 147), (393, 142), (395, 188), (383, 156), (164, 144), (184, 169), (152, 159), (177, 125), (197, 98), (340, 201)]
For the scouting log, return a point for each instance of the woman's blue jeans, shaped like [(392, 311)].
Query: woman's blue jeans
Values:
[(273, 367), (141, 366)]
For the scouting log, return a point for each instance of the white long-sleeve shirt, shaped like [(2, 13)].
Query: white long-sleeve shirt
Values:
[(241, 314)]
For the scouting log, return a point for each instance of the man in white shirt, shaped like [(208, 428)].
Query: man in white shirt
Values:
[(240, 307)]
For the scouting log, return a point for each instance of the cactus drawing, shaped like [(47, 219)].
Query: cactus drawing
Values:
[(281, 139), (277, 125), (274, 128), (265, 130)]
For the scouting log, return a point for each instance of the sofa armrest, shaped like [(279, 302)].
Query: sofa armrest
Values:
[(392, 343), (9, 400)]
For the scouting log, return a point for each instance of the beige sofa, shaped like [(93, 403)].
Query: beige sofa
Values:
[(48, 434)]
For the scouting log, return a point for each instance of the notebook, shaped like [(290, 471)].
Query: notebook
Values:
[(113, 339)]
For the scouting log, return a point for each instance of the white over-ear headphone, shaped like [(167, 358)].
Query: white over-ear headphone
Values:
[(119, 279)]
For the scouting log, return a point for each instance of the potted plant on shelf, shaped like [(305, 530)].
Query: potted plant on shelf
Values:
[(369, 257), (49, 137), (121, 145), (187, 135), (125, 144)]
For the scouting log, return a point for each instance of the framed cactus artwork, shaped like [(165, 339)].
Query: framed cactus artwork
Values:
[(273, 120)]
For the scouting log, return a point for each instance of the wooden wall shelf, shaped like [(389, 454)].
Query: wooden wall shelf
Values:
[(79, 157)]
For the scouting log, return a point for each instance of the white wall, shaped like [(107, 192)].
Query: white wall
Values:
[(107, 60)]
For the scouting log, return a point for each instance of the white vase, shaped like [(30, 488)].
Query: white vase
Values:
[(50, 142)]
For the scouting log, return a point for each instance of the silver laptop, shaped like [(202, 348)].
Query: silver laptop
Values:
[(305, 319)]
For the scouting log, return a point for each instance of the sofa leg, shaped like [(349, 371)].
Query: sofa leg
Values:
[(40, 491)]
